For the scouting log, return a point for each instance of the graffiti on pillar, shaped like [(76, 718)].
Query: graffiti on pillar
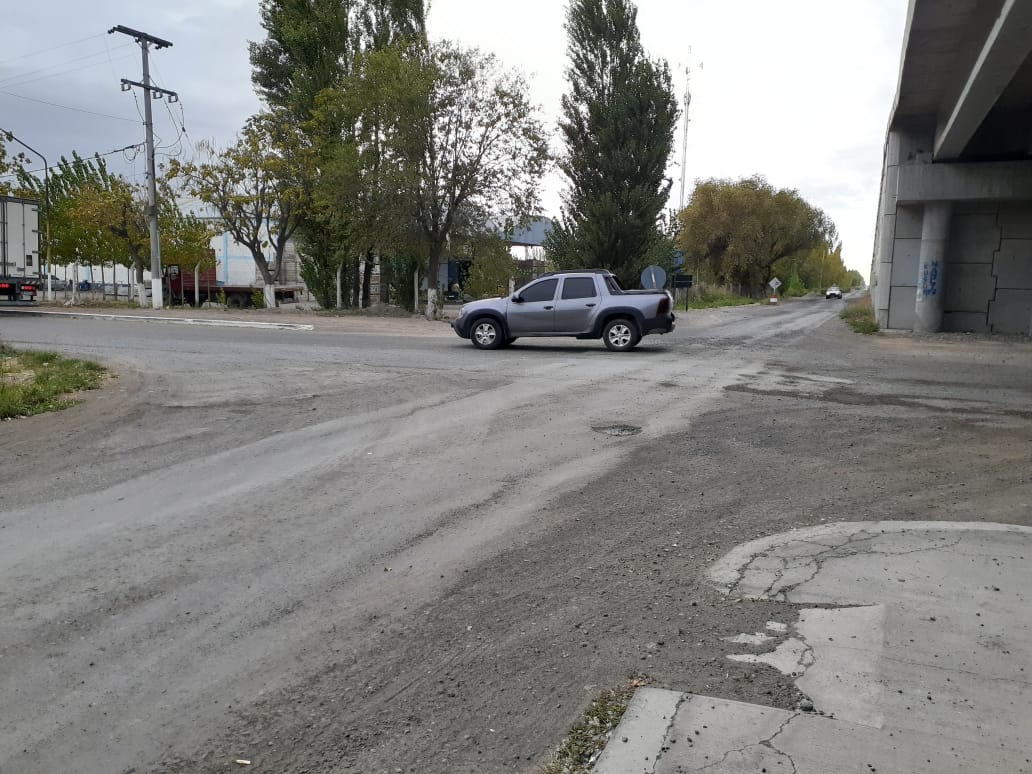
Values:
[(930, 279)]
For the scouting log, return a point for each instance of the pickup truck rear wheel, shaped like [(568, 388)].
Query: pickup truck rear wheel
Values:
[(486, 333), (620, 335)]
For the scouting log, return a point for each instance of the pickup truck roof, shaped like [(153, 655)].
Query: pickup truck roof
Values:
[(575, 271)]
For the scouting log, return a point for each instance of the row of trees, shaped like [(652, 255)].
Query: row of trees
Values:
[(744, 232), (100, 218), (375, 142)]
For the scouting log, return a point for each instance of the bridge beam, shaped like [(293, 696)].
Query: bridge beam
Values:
[(1007, 46)]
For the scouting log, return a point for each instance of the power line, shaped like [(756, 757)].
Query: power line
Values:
[(180, 130), (172, 118), (87, 158), (59, 46), (7, 79), (18, 84), (178, 126), (68, 107)]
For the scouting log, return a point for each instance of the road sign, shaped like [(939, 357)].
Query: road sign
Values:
[(653, 277), (682, 280), (775, 283), (678, 258)]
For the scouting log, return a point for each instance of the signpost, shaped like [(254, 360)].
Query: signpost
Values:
[(774, 285), (683, 281), (653, 278)]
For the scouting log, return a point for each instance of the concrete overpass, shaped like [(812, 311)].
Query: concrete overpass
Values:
[(953, 246)]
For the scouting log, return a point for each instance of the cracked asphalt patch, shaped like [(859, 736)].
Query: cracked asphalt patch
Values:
[(916, 660)]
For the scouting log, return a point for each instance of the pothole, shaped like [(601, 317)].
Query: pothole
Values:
[(618, 430)]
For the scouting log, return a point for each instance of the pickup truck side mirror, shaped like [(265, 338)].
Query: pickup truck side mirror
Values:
[(517, 299)]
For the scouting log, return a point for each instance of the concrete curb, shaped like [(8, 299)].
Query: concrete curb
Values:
[(178, 320), (644, 726)]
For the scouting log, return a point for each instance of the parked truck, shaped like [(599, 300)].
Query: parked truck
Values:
[(21, 275), (233, 279), (588, 304)]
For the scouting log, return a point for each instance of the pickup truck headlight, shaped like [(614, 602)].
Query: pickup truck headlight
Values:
[(462, 311)]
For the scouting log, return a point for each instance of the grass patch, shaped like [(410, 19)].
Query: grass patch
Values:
[(588, 737), (859, 315), (35, 382), (719, 299)]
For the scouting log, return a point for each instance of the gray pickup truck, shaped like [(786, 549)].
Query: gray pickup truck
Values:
[(587, 304)]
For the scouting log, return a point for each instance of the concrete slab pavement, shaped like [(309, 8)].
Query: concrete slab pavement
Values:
[(918, 659)]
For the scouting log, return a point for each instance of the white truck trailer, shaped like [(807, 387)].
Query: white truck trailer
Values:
[(21, 274)]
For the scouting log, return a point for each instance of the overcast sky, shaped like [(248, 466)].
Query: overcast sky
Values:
[(796, 90)]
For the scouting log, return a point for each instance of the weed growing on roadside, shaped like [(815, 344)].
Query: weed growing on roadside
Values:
[(35, 382), (859, 315), (588, 737), (718, 300)]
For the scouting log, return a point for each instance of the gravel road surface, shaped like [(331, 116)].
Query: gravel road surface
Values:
[(371, 548)]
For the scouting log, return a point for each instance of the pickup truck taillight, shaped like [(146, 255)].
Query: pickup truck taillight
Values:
[(664, 305)]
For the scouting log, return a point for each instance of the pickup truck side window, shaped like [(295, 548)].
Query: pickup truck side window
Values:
[(614, 287), (542, 291), (579, 287)]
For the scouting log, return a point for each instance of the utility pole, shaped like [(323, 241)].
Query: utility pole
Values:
[(46, 203), (150, 92)]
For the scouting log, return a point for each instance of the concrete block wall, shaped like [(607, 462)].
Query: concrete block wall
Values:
[(1010, 311), (989, 269), (974, 240)]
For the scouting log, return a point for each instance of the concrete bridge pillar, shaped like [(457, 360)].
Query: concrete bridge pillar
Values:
[(931, 269)]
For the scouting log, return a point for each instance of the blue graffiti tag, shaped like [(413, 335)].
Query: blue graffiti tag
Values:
[(930, 279)]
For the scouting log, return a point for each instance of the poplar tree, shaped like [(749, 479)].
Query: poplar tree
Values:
[(311, 45), (618, 120)]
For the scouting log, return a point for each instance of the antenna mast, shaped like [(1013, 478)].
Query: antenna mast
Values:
[(687, 104)]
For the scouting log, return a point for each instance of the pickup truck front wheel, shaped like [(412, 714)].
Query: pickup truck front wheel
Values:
[(486, 333), (620, 335)]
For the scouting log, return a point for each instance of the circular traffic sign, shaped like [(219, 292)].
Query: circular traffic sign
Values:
[(653, 277)]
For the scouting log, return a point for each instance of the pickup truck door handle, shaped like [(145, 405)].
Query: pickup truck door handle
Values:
[(589, 305), (548, 307)]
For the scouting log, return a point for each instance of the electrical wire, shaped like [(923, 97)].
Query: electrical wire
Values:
[(79, 68), (22, 57), (68, 107), (13, 80), (181, 131), (135, 146), (178, 126)]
